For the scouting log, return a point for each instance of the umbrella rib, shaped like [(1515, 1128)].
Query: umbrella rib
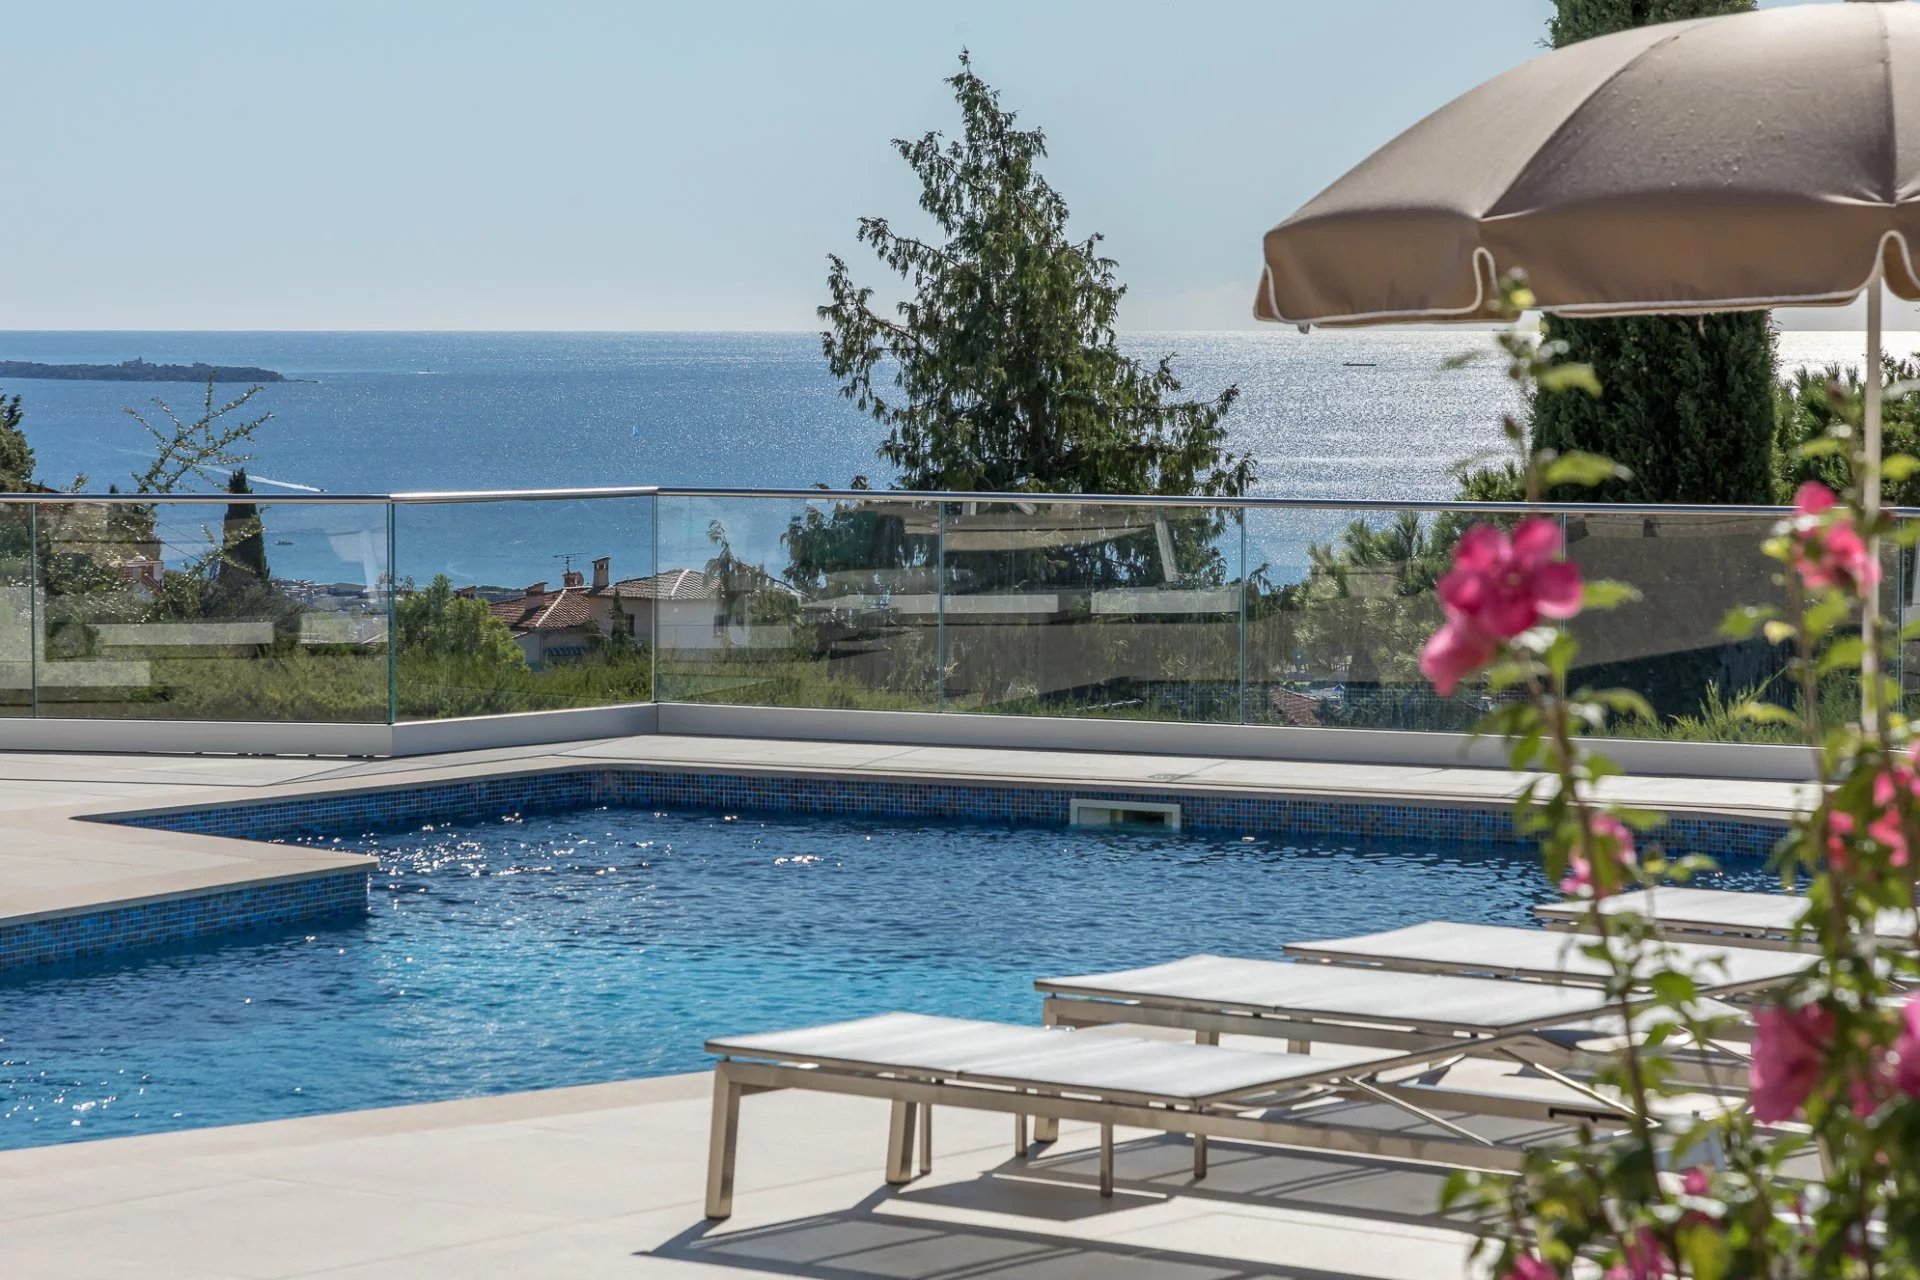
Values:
[(1560, 129), (1892, 188)]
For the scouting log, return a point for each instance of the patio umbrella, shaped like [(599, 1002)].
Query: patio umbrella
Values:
[(1741, 162)]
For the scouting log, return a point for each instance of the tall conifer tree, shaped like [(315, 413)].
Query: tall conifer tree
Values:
[(1686, 402), (1000, 370)]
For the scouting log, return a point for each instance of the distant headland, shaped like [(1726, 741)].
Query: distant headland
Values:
[(139, 371)]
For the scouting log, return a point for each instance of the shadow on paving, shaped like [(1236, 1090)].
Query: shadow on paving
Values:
[(1270, 1177), (866, 1242)]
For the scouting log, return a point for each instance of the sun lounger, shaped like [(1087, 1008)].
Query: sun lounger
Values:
[(1732, 919), (917, 1062), (1540, 955), (1550, 1028)]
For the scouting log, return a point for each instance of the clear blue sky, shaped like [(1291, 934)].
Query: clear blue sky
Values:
[(612, 165)]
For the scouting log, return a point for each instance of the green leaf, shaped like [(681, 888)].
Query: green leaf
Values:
[(1899, 467), (1820, 447), (1744, 620), (1706, 1251), (1626, 702), (1568, 377), (1604, 593), (1560, 653), (1673, 987), (1843, 654), (1828, 612), (1761, 712), (1778, 632), (1581, 469)]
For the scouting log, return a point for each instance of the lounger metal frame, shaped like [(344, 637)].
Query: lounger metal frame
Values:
[(1326, 952), (1067, 1005), (1243, 1115)]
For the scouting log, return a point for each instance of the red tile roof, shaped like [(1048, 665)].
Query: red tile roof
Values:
[(674, 584), (556, 611)]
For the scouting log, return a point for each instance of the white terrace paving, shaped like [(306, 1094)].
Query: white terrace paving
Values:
[(606, 1180)]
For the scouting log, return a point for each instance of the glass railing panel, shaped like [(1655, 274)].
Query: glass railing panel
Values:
[(789, 602), (238, 610), (1691, 569), (523, 605), (18, 601), (1339, 603), (1091, 609)]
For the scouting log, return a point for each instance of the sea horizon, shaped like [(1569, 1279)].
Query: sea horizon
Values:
[(1374, 415)]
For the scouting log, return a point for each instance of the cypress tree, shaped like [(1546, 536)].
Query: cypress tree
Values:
[(1686, 402), (244, 562)]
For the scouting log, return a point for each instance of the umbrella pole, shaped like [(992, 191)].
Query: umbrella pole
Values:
[(1870, 507)]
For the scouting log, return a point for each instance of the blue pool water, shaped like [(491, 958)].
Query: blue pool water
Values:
[(609, 943)]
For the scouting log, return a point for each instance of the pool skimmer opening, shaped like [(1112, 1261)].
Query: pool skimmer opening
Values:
[(1123, 813)]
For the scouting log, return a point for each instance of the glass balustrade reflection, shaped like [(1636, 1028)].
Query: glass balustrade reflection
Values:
[(234, 610), (1339, 604), (1085, 609), (18, 600), (531, 605), (1692, 570), (783, 602)]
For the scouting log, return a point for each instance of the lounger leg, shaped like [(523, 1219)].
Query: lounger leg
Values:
[(722, 1144), (1046, 1129), (1106, 1160), (1019, 1137), (1299, 1046), (1199, 1156), (926, 1137), (900, 1143), (1206, 1037)]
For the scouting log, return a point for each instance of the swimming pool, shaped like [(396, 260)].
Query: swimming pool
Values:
[(608, 943)]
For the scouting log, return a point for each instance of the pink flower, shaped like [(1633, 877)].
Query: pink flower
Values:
[(1906, 1049), (1839, 826), (1828, 551), (1790, 1046), (1454, 652), (1696, 1181), (1612, 841), (1530, 1266), (1502, 586), (1886, 827), (1499, 586), (1642, 1259)]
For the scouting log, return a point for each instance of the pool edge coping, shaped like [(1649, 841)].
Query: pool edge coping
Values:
[(115, 820)]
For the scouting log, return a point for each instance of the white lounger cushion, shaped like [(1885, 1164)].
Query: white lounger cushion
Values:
[(1537, 953), (1760, 914), (1477, 1006), (1037, 1058)]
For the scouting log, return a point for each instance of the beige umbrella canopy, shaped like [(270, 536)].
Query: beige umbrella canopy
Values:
[(1746, 161)]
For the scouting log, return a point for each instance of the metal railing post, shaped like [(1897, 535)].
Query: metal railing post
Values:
[(653, 614), (940, 607), (34, 642), (1242, 512), (393, 618)]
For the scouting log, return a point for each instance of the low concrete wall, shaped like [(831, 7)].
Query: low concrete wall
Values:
[(910, 728), (273, 738), (1258, 742)]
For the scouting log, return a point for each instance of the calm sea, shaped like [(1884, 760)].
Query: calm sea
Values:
[(1336, 415)]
